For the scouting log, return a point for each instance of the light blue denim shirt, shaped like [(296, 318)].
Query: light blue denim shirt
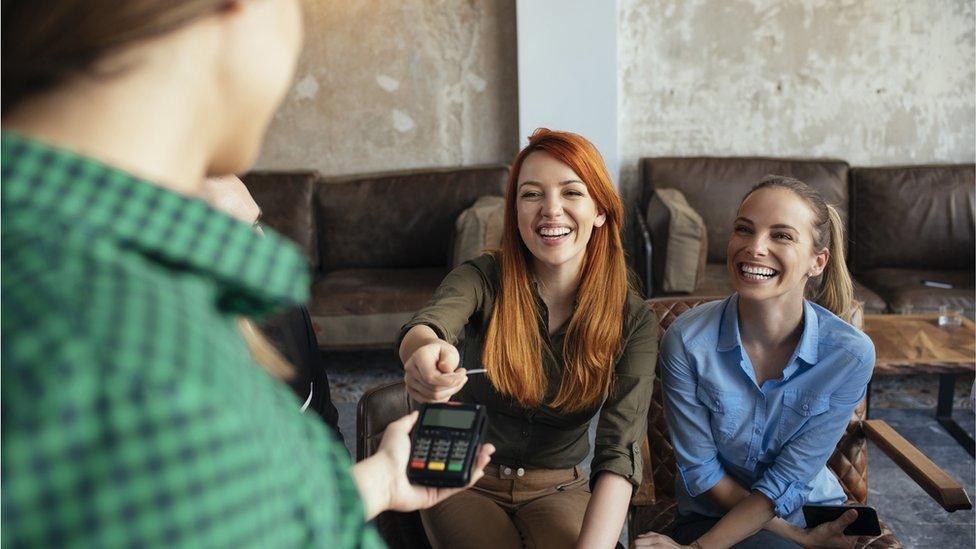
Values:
[(775, 438)]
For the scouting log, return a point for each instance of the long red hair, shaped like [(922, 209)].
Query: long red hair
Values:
[(513, 345)]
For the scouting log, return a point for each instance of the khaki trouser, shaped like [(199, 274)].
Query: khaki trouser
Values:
[(541, 508)]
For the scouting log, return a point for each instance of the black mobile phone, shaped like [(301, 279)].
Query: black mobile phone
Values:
[(445, 442), (866, 523)]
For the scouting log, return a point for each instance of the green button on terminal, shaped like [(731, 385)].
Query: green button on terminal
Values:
[(455, 466)]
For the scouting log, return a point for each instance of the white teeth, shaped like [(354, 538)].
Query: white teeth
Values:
[(751, 269), (554, 231), (755, 272)]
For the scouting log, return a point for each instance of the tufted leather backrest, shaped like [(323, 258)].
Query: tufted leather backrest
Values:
[(849, 460), (285, 199), (404, 219), (914, 217), (399, 220)]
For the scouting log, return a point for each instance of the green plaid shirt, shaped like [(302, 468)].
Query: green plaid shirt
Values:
[(132, 413)]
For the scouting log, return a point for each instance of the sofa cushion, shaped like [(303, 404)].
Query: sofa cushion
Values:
[(901, 287), (360, 308), (715, 186), (371, 291), (356, 332), (680, 264), (477, 229), (919, 217), (873, 303), (397, 221), (285, 199), (716, 282)]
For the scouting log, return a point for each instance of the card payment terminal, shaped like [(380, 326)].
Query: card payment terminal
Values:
[(445, 442)]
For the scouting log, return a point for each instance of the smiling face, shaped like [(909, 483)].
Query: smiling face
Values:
[(771, 252), (556, 214)]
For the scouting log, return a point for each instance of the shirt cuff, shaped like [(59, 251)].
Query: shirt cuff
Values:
[(787, 501), (438, 329), (701, 478), (617, 460)]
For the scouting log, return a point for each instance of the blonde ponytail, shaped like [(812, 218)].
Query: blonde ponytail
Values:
[(835, 290)]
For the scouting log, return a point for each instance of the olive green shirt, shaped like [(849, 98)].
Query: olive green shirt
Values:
[(543, 437)]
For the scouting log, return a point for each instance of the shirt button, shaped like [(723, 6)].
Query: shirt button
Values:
[(520, 471), (806, 407), (758, 430), (507, 470)]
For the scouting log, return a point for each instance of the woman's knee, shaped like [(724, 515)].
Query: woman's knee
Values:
[(553, 521)]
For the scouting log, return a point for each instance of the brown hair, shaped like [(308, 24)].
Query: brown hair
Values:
[(513, 345), (833, 288), (43, 43)]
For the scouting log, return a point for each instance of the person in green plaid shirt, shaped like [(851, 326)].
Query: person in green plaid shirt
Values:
[(133, 414)]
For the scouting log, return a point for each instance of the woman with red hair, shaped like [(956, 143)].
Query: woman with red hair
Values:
[(560, 336)]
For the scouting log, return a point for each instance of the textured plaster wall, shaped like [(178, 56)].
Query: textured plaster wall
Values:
[(871, 82), (389, 85)]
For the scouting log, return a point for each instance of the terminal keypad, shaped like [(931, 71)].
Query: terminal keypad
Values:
[(439, 454)]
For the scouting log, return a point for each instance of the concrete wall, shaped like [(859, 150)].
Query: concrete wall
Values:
[(387, 85), (869, 81)]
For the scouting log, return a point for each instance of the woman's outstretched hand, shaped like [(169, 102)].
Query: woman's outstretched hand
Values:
[(432, 374), (382, 478)]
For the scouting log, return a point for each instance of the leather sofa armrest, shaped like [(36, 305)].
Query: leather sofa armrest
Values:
[(937, 483), (644, 248), (645, 492)]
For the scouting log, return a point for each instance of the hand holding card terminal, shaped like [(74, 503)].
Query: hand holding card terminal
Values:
[(445, 442)]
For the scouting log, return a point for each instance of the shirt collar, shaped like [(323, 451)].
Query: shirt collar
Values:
[(543, 310), (728, 331), (729, 337), (255, 274), (810, 339)]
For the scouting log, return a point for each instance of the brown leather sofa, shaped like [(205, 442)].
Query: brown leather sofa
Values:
[(378, 245), (915, 223), (905, 224)]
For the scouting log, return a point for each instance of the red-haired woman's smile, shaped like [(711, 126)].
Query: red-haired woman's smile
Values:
[(554, 234)]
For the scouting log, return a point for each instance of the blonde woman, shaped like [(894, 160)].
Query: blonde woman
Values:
[(759, 387)]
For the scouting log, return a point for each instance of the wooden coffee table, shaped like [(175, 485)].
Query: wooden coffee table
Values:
[(916, 344)]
